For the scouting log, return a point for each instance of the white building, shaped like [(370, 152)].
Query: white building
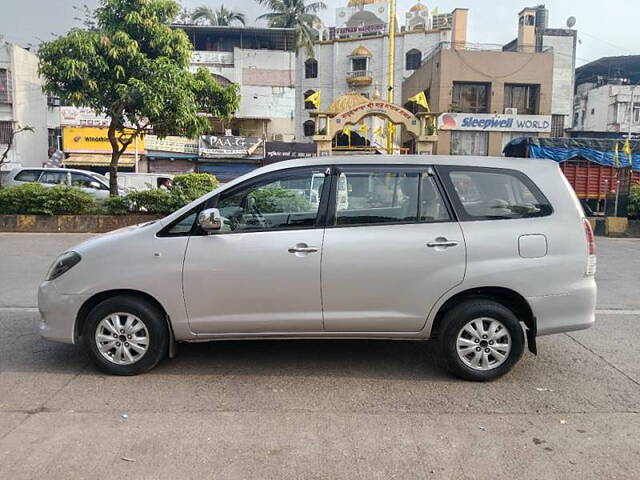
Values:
[(534, 35), (353, 56), (23, 104), (262, 62), (606, 108)]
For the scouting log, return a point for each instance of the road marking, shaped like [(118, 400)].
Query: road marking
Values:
[(617, 312)]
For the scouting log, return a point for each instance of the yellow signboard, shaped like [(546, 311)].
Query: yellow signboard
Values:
[(93, 140)]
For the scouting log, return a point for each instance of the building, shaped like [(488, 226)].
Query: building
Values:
[(22, 104), (353, 56), (489, 95), (261, 61), (602, 102)]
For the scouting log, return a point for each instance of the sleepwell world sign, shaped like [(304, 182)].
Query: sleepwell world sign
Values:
[(494, 122)]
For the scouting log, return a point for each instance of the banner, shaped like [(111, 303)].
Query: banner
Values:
[(494, 123), (277, 151), (93, 140), (213, 146), (82, 117), (171, 144)]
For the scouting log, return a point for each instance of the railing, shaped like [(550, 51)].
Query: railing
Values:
[(360, 74)]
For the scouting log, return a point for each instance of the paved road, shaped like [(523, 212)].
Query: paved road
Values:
[(319, 410)]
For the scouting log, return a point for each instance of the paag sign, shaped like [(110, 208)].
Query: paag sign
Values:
[(494, 123), (276, 151), (213, 146), (93, 140)]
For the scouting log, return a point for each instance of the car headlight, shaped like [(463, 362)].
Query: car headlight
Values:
[(64, 263)]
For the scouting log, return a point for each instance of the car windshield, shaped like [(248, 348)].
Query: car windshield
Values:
[(101, 177)]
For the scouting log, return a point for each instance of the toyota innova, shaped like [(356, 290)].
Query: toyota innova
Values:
[(481, 254)]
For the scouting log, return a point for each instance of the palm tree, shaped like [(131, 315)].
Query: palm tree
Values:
[(294, 14), (222, 17)]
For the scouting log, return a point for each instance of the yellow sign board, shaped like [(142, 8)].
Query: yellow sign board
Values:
[(93, 140)]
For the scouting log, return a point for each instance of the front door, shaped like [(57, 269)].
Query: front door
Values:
[(261, 272), (392, 251)]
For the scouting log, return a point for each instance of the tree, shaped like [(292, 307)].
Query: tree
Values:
[(222, 17), (12, 135), (294, 14), (132, 67)]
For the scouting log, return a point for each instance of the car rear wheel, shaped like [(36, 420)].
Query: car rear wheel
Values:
[(126, 335), (481, 340)]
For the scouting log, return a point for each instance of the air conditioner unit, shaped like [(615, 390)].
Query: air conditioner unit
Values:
[(510, 111), (277, 137)]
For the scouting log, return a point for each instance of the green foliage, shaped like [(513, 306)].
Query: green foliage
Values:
[(129, 64), (36, 199), (634, 201), (186, 188), (193, 185), (116, 206), (278, 200), (155, 201), (204, 15), (295, 14)]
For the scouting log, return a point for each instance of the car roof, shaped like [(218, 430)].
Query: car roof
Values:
[(54, 169), (453, 160)]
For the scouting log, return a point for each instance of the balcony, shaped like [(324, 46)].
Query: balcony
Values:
[(359, 78)]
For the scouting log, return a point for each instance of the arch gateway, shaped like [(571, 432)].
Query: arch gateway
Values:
[(343, 114)]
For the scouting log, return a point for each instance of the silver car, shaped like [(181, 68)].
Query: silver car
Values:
[(480, 254), (93, 183)]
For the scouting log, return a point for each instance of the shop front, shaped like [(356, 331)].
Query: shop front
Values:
[(88, 148), (171, 154), (486, 134), (228, 157)]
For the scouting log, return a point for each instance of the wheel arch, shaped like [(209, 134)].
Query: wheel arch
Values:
[(94, 300), (504, 296)]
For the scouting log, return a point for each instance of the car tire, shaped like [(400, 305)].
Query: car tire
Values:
[(126, 335), (481, 340)]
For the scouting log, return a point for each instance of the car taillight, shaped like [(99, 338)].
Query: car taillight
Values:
[(591, 248)]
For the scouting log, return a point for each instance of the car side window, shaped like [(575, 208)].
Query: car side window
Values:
[(377, 195), (54, 178), (494, 194), (84, 181), (290, 200), (28, 175)]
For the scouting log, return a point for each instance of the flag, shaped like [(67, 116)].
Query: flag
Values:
[(347, 131), (421, 99), (363, 129), (616, 156), (378, 132), (314, 98), (626, 148)]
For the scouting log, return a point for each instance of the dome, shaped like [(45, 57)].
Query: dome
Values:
[(347, 101), (358, 3), (418, 7), (361, 51)]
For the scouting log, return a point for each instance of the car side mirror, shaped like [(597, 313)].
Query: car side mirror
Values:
[(95, 185), (210, 220)]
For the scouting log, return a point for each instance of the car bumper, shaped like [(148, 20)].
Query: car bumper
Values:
[(58, 313), (573, 310)]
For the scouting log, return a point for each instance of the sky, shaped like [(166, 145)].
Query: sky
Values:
[(604, 28)]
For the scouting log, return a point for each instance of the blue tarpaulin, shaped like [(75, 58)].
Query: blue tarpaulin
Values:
[(596, 150)]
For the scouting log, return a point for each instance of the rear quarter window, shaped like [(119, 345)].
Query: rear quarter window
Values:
[(494, 194), (28, 176)]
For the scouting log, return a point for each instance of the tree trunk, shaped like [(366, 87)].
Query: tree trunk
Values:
[(115, 157)]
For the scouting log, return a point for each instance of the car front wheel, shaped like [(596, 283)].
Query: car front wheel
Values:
[(126, 335), (481, 340)]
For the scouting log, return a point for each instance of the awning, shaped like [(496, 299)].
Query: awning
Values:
[(97, 160), (171, 155)]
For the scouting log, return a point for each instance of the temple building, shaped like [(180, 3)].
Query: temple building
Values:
[(352, 57)]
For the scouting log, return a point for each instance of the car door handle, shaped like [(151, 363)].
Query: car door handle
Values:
[(303, 248), (444, 243)]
